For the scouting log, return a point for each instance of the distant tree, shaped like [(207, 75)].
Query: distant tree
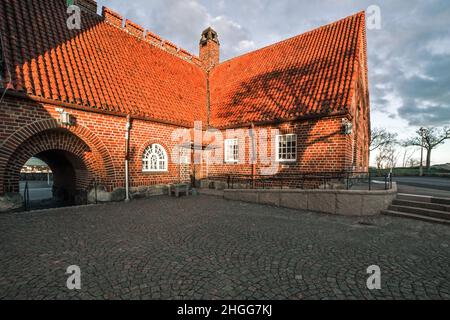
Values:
[(387, 157), (391, 157), (380, 160), (380, 138), (413, 163), (408, 154), (432, 138)]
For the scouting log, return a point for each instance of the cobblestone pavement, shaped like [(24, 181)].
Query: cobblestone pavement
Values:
[(208, 248)]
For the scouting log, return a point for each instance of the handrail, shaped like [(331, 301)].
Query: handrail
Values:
[(307, 180)]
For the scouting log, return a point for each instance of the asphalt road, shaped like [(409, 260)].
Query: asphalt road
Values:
[(39, 190), (438, 187)]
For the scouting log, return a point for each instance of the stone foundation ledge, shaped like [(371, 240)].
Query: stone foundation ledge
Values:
[(119, 194), (340, 202), (11, 202)]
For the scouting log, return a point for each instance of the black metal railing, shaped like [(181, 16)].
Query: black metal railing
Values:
[(310, 180), (26, 197)]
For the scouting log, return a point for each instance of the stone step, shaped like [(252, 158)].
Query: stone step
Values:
[(415, 217), (421, 211), (426, 199), (425, 205)]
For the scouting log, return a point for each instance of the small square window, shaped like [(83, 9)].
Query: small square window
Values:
[(286, 148), (232, 150)]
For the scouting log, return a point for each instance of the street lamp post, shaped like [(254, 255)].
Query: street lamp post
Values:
[(422, 131)]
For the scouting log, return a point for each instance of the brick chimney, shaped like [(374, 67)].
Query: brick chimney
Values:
[(209, 49)]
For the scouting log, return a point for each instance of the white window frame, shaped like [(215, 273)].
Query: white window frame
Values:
[(230, 158), (278, 151), (160, 154)]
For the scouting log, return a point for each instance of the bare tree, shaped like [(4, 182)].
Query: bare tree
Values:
[(391, 157), (408, 154), (380, 160), (432, 138), (380, 138), (413, 163), (387, 157)]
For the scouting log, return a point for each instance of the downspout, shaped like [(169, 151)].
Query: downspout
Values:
[(208, 101), (208, 116), (127, 158), (254, 153)]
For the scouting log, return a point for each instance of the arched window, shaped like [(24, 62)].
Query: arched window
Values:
[(155, 159)]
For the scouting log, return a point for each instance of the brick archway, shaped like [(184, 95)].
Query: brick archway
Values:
[(96, 157), (72, 161)]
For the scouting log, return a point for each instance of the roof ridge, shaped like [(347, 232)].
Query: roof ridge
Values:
[(297, 36)]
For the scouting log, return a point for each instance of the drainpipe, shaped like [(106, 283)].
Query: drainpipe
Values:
[(254, 153), (127, 158), (208, 101)]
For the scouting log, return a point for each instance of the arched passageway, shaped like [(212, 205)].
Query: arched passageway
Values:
[(70, 159), (69, 175)]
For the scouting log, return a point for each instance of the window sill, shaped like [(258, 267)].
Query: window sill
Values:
[(287, 162), (155, 172)]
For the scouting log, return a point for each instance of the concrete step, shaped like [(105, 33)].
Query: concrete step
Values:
[(415, 217), (426, 199), (421, 211), (425, 205)]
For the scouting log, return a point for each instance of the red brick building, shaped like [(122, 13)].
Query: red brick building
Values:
[(72, 98)]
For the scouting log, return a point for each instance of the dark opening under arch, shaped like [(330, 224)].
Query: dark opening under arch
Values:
[(71, 160)]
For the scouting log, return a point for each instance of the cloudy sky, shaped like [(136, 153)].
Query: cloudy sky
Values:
[(409, 56)]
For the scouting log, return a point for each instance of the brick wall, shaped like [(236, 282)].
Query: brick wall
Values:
[(103, 135), (98, 141), (360, 111), (321, 147)]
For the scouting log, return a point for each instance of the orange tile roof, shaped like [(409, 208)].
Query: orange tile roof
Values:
[(307, 75), (100, 67), (109, 68)]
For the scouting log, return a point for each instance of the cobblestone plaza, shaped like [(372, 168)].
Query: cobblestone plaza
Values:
[(208, 248)]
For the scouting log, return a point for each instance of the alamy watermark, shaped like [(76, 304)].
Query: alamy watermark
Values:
[(74, 12), (373, 20), (374, 280), (248, 146), (74, 280)]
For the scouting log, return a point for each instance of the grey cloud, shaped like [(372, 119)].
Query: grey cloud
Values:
[(412, 73), (425, 116)]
